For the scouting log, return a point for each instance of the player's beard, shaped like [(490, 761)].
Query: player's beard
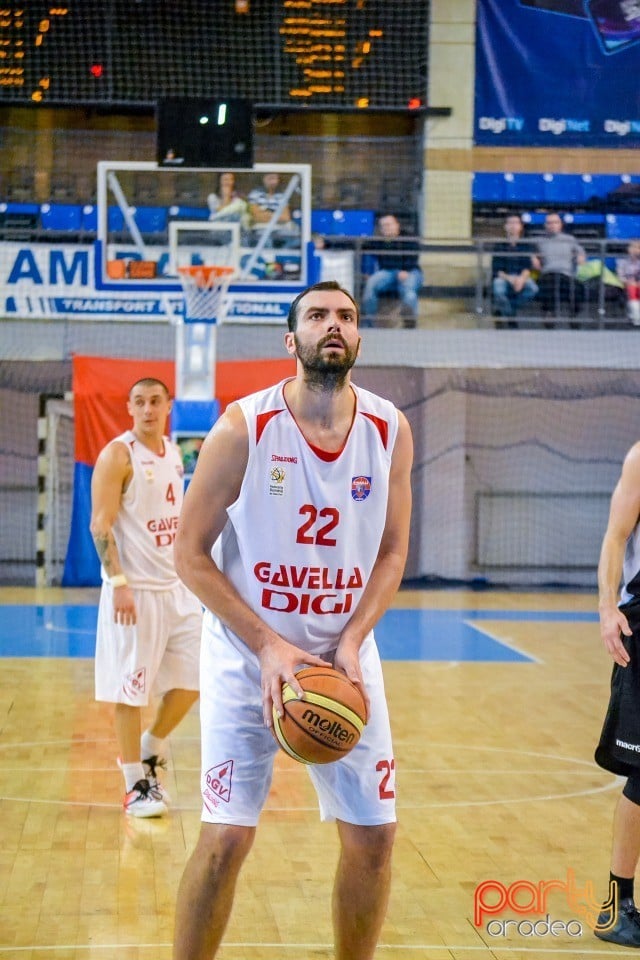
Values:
[(326, 370)]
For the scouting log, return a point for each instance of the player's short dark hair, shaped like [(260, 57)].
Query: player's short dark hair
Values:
[(150, 382), (292, 317)]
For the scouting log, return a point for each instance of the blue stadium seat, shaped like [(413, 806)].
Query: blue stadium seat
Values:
[(524, 187), (622, 226), (583, 218), (598, 185), (321, 221), (346, 223), (353, 223), (89, 218), (61, 217), (115, 220), (151, 219), (180, 212), (582, 224), (585, 226), (489, 188), (19, 221), (533, 223), (29, 209), (563, 188)]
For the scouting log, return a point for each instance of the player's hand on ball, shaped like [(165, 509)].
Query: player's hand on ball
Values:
[(279, 660)]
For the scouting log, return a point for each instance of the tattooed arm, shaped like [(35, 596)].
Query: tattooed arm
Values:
[(111, 476)]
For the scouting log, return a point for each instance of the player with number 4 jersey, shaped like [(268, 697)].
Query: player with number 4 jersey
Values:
[(294, 535), (149, 623), (145, 526)]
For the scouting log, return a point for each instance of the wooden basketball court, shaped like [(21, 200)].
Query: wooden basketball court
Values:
[(496, 702)]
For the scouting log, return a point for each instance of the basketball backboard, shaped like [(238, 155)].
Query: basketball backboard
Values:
[(153, 218)]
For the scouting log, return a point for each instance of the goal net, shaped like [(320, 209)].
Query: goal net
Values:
[(55, 498)]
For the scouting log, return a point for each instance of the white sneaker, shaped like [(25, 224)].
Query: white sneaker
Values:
[(151, 765), (144, 801)]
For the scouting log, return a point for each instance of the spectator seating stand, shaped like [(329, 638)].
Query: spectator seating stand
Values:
[(497, 192), (607, 230)]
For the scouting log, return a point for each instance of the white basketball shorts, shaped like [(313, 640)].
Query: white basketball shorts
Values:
[(160, 652), (238, 750)]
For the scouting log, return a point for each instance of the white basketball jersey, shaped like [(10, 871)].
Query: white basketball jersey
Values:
[(304, 533), (146, 525)]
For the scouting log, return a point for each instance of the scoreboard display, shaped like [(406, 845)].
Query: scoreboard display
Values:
[(348, 54)]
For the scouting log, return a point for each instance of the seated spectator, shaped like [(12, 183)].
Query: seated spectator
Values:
[(628, 269), (558, 257), (264, 202), (511, 283), (396, 270), (227, 205)]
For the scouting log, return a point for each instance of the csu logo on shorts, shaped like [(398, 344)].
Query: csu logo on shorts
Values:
[(135, 683), (217, 784), (360, 488)]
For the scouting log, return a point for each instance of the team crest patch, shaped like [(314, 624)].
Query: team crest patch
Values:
[(360, 488), (148, 474), (135, 683), (217, 785), (276, 481)]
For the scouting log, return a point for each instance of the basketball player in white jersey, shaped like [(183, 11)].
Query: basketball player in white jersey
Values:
[(149, 624), (294, 535), (619, 747)]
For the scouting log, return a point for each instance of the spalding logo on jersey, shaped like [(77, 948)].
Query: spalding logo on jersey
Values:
[(360, 488)]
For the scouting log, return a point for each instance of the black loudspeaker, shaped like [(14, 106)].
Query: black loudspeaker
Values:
[(205, 132)]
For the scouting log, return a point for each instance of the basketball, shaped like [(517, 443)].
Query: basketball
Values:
[(326, 723)]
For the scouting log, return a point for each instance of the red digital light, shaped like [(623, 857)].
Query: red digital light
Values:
[(414, 103), (96, 70)]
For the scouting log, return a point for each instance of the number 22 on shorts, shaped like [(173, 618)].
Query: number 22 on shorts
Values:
[(386, 789)]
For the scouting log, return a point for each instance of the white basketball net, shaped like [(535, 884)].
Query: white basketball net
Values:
[(205, 291)]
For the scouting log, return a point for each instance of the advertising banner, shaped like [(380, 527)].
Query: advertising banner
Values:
[(558, 73), (57, 281)]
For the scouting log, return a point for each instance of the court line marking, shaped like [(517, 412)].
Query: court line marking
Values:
[(179, 738), (590, 791), (509, 644), (407, 947), (521, 753), (292, 772), (268, 808)]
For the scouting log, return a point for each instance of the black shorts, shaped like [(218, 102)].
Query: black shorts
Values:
[(619, 746)]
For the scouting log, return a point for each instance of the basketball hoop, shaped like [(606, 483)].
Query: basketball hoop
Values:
[(205, 288)]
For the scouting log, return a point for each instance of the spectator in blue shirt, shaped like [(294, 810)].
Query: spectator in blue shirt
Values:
[(511, 281), (396, 271)]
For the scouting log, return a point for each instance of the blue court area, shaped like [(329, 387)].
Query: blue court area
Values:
[(52, 630), (403, 634)]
